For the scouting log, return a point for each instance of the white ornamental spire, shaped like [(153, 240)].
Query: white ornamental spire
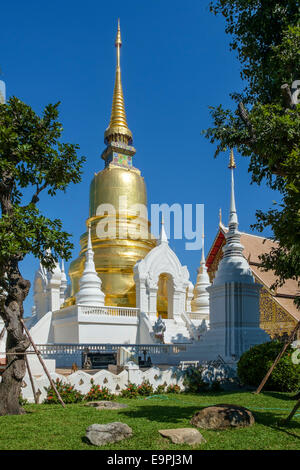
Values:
[(233, 266), (90, 292), (64, 283), (163, 236), (233, 245), (233, 220), (200, 302)]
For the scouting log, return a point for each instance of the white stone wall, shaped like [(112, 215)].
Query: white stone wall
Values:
[(115, 383)]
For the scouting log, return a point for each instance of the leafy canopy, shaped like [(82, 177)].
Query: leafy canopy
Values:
[(32, 160), (264, 124)]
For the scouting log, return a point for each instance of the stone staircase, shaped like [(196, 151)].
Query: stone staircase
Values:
[(176, 332)]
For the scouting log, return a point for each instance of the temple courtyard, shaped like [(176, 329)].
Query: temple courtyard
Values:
[(52, 427)]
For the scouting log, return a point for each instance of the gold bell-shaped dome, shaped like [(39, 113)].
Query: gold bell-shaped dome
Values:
[(115, 254)]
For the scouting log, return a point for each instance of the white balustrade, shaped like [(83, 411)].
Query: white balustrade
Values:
[(111, 311)]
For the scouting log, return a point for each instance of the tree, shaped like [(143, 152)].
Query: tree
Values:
[(265, 125), (32, 161)]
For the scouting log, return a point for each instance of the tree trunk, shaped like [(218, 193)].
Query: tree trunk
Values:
[(17, 342)]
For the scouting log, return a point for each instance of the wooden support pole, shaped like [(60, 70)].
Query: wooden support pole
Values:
[(2, 333), (43, 364), (31, 380), (293, 412), (289, 341)]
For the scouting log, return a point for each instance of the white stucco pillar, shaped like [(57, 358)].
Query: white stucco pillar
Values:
[(141, 295), (54, 295), (152, 292)]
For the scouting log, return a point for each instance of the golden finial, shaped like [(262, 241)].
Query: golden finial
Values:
[(231, 160), (220, 215), (118, 130), (118, 41)]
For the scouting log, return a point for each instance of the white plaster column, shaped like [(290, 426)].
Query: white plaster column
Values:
[(53, 289), (152, 296), (142, 301), (189, 296)]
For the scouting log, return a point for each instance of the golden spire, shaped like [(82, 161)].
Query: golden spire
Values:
[(118, 130), (232, 164)]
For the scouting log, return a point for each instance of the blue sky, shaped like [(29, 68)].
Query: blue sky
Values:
[(176, 63)]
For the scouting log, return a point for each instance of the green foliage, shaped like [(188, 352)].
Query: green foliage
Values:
[(161, 389), (145, 389), (56, 428), (98, 393), (265, 127), (193, 380), (265, 36), (67, 392), (131, 391), (255, 363), (33, 160), (173, 389), (215, 386)]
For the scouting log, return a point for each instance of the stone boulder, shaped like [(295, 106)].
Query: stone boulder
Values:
[(101, 434), (222, 417), (110, 405), (183, 436)]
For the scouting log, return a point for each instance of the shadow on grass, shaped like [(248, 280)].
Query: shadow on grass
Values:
[(276, 422), (168, 413), (292, 396), (162, 413)]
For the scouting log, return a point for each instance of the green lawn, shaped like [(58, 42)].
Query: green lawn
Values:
[(52, 427)]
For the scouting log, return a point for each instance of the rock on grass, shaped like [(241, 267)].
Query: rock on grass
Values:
[(183, 436), (223, 417), (101, 434)]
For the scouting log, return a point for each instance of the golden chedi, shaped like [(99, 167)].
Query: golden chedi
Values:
[(118, 201)]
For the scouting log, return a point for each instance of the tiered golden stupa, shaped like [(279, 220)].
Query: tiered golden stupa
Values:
[(115, 256)]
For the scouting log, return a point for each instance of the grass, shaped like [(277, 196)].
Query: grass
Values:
[(53, 428)]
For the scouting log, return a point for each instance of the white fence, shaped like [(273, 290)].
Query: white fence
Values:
[(66, 354), (115, 383), (111, 311)]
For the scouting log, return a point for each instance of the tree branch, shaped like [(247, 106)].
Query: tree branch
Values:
[(243, 113), (35, 197)]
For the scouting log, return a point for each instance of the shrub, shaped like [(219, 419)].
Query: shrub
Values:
[(173, 389), (193, 380), (145, 389), (130, 391), (67, 392), (255, 363), (98, 393), (215, 386), (161, 388)]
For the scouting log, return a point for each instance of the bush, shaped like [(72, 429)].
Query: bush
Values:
[(145, 389), (193, 380), (215, 386), (130, 392), (255, 363), (98, 393), (67, 392), (173, 389), (161, 389)]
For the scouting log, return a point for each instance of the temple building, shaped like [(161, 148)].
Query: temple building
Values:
[(278, 312), (128, 288), (123, 278)]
